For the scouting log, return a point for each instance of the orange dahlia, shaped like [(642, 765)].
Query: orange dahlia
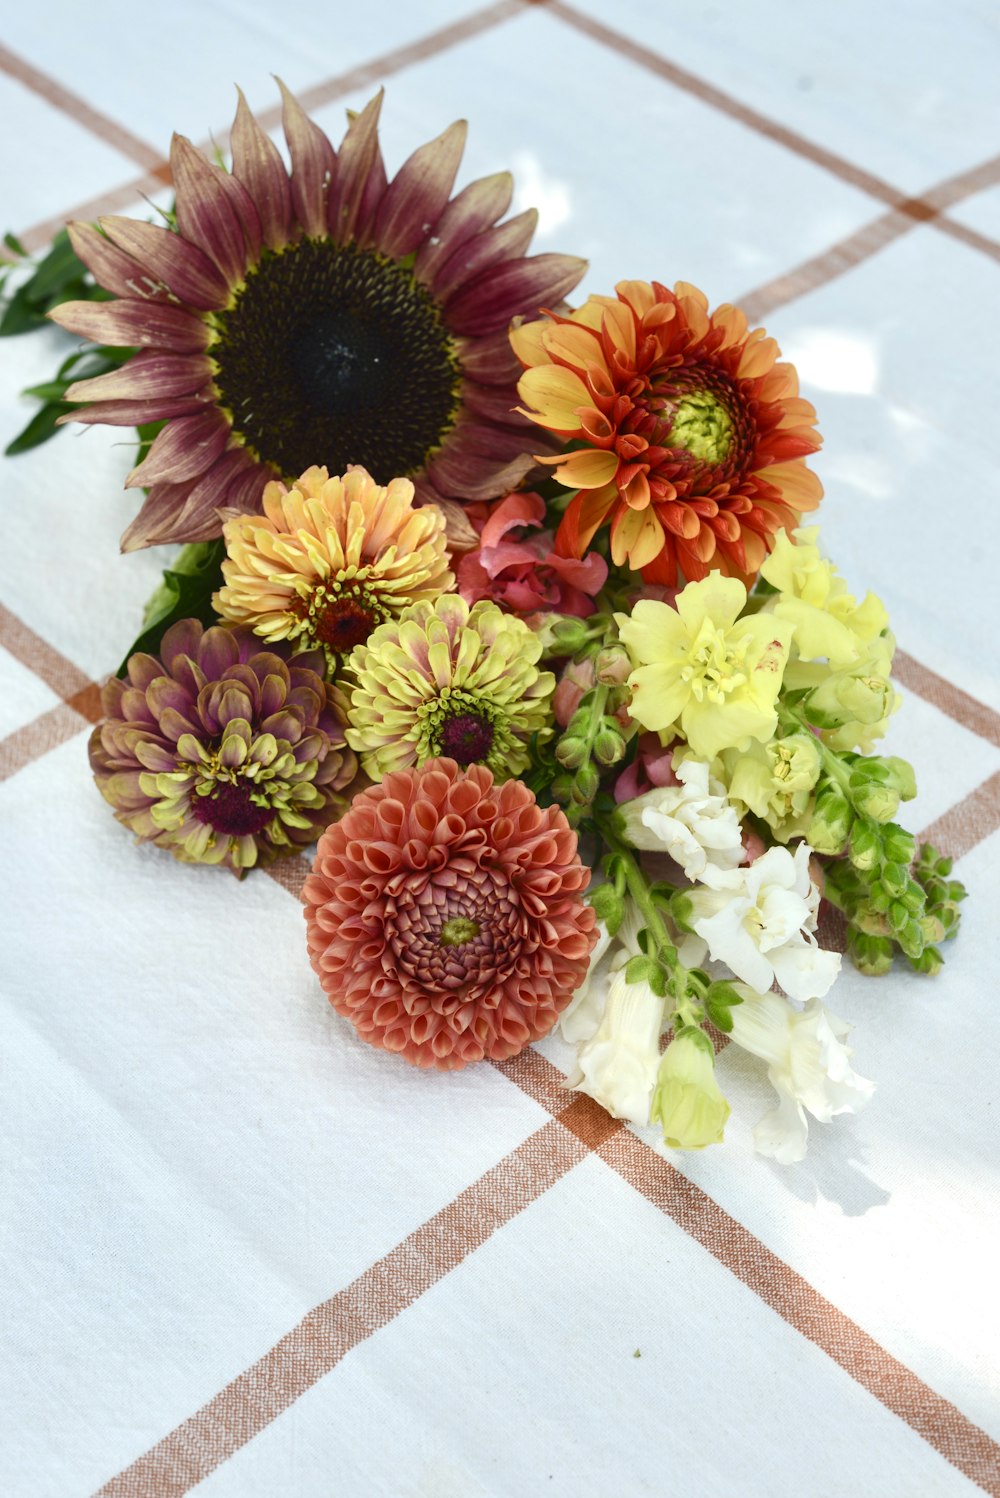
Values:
[(445, 915), (681, 426), (323, 316)]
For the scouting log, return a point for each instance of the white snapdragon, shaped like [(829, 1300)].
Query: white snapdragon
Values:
[(760, 921), (583, 1014), (618, 1064), (808, 1065), (693, 822)]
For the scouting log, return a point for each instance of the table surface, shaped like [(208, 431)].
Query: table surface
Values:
[(245, 1253)]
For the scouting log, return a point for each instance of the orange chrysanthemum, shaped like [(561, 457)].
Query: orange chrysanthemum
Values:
[(685, 430)]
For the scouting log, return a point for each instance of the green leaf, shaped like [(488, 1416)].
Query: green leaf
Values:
[(185, 593), (40, 428), (641, 970), (20, 315), (719, 999), (13, 243)]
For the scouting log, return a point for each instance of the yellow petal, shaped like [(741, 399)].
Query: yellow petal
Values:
[(590, 468), (554, 393)]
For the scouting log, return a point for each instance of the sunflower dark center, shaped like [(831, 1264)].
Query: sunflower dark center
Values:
[(230, 811), (467, 738), (334, 355)]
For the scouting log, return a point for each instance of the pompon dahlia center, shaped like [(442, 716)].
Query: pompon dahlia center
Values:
[(335, 355)]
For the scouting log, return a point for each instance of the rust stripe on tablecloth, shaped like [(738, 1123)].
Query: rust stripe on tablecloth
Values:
[(65, 679), (81, 112), (322, 1338), (971, 822), (291, 873), (820, 269), (46, 732), (941, 1424), (365, 74), (968, 711), (707, 93)]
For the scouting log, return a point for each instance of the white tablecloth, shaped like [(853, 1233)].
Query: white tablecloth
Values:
[(247, 1254)]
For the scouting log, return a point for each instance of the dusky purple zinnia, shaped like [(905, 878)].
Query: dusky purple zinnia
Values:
[(221, 751), (319, 316), (445, 915)]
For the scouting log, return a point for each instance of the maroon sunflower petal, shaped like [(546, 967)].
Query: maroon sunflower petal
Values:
[(184, 449), (417, 195), (475, 208), (490, 360), (314, 164), (505, 242), (186, 512), (257, 164), (137, 413), (187, 271), (480, 462), (112, 268), (148, 376), (357, 154), (128, 324), (517, 289), (205, 214)]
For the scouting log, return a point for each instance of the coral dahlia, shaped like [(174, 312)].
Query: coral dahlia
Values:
[(451, 682), (445, 917), (331, 559), (326, 315), (221, 751), (686, 432)]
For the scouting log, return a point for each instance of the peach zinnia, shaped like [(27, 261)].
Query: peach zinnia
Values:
[(686, 432), (445, 915), (330, 559)]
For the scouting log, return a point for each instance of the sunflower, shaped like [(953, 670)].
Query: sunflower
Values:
[(322, 316), (682, 428)]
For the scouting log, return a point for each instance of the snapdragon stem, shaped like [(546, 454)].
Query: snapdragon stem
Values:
[(684, 986)]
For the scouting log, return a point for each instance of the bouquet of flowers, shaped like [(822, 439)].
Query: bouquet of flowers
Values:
[(508, 606)]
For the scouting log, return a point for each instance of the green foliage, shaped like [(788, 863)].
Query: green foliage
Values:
[(58, 277), (892, 901), (185, 593)]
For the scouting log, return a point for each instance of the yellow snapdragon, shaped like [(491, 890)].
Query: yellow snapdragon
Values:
[(829, 622), (703, 672)]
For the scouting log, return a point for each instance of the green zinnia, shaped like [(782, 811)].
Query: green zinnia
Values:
[(447, 681)]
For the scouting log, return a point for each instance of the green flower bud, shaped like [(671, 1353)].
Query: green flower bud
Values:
[(562, 789), (586, 784), (899, 845), (895, 878), (901, 776), (609, 745), (865, 847), (930, 961), (844, 698), (879, 898), (613, 666), (899, 916), (563, 634), (870, 921), (831, 821), (880, 802), (871, 955), (572, 752)]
